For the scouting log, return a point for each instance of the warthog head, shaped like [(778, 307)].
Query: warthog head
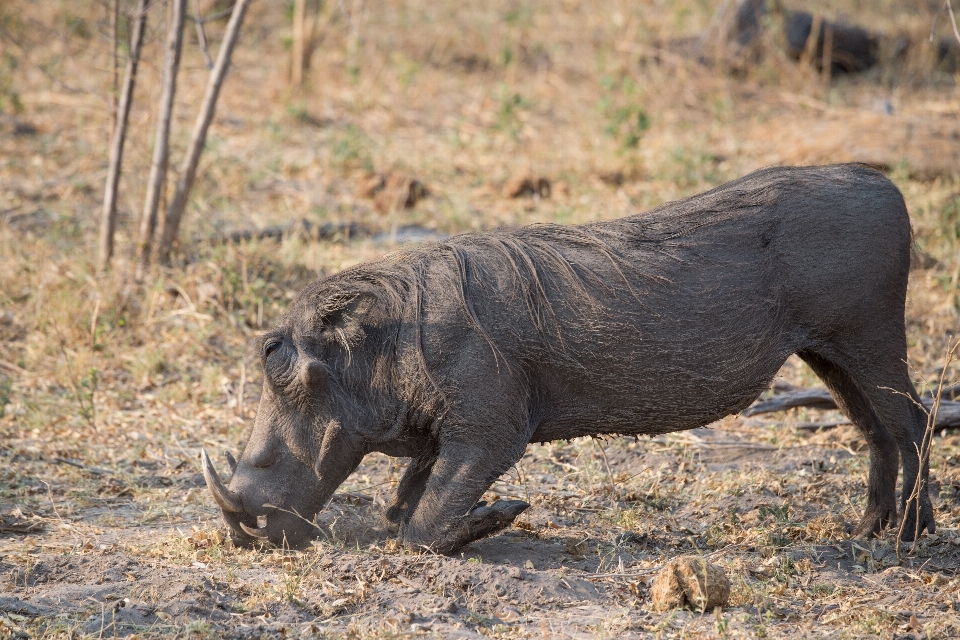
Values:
[(325, 404)]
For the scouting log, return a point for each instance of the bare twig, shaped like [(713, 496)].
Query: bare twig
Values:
[(89, 413), (948, 6), (9, 366), (202, 34), (606, 464), (923, 457), (108, 218), (632, 574), (188, 170), (161, 148), (93, 325)]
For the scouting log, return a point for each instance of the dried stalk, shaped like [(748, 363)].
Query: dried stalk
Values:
[(826, 59), (108, 218), (923, 455), (188, 170), (298, 50), (161, 147)]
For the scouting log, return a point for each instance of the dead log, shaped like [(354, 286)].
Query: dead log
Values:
[(948, 413), (833, 47), (810, 398), (325, 231)]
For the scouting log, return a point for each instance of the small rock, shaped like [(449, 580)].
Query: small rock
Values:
[(575, 546), (510, 614), (631, 537), (612, 178), (515, 573), (24, 129), (690, 581), (883, 552)]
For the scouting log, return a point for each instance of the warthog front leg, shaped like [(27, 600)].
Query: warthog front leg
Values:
[(409, 491), (448, 515)]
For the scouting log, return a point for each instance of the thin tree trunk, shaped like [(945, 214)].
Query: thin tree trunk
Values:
[(188, 170), (115, 71), (108, 218), (161, 147), (299, 48)]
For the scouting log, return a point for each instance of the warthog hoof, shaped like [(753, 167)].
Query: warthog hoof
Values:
[(480, 522), (914, 526)]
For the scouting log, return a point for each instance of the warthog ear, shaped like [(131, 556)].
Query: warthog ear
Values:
[(342, 311), (342, 324)]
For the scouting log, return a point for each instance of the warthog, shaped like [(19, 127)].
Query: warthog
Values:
[(459, 353)]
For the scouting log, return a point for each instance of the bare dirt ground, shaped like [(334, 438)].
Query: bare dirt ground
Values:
[(109, 385)]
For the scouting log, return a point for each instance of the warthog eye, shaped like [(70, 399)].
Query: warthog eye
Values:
[(270, 347)]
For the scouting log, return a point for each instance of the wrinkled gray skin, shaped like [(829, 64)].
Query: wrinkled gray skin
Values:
[(457, 354)]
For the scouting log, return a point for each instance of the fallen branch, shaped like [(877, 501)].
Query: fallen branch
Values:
[(80, 465), (948, 416), (11, 524), (812, 398), (823, 424)]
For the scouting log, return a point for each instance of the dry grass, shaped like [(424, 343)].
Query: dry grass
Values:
[(131, 378)]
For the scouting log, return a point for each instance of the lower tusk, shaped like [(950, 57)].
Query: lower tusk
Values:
[(227, 500), (256, 533)]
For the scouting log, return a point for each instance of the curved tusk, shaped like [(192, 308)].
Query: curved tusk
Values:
[(226, 499), (256, 533), (231, 462)]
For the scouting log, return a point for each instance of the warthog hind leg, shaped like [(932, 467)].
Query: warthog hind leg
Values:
[(881, 508), (878, 397)]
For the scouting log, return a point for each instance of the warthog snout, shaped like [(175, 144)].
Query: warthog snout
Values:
[(260, 502), (229, 501)]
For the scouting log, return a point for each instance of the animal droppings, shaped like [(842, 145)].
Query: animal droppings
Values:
[(690, 581)]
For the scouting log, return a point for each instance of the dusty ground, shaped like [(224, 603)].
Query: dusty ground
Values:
[(109, 386)]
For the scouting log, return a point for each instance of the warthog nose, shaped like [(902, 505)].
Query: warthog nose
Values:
[(263, 453)]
